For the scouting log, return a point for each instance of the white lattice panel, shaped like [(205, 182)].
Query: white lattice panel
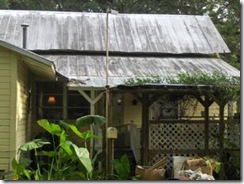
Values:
[(170, 136), (231, 136)]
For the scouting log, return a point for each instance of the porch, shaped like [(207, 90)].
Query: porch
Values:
[(170, 138)]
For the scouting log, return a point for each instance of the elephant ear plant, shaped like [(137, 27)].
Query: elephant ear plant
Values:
[(66, 161)]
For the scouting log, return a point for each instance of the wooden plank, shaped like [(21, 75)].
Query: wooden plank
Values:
[(4, 154), (4, 104), (183, 151), (4, 142), (145, 130), (4, 148), (5, 73), (4, 98), (4, 121), (4, 161), (5, 66), (5, 91), (5, 116), (4, 110), (4, 135), (5, 79), (4, 85), (4, 128), (13, 110)]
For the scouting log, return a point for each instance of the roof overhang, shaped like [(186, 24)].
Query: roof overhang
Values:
[(37, 64), (89, 71)]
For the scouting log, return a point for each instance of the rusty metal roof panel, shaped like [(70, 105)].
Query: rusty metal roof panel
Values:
[(148, 33), (89, 71)]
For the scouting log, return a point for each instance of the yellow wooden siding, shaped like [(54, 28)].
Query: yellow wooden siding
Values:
[(132, 113), (213, 110), (5, 108), (23, 125)]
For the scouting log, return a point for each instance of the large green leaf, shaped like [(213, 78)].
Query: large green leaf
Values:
[(90, 119), (83, 156), (34, 144), (50, 127), (83, 135), (122, 167), (74, 129), (66, 147)]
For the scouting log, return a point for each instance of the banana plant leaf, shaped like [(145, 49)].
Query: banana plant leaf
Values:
[(83, 135), (34, 144), (83, 156), (89, 120), (50, 127)]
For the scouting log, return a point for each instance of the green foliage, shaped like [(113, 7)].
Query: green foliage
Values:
[(65, 159), (216, 165), (31, 145), (122, 168), (141, 80), (226, 17), (88, 120), (224, 86)]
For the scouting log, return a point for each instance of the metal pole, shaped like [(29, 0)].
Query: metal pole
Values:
[(107, 95), (24, 41), (108, 144)]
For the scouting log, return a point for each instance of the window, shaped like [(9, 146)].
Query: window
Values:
[(49, 100), (77, 105), (54, 103)]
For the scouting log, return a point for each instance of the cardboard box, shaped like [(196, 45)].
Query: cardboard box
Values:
[(194, 164), (150, 174)]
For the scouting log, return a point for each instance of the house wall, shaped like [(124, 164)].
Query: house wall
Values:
[(23, 124), (14, 87), (8, 75), (132, 113), (213, 110)]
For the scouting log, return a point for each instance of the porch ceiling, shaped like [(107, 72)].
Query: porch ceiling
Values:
[(89, 71)]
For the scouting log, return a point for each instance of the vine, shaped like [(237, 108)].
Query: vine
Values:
[(223, 86)]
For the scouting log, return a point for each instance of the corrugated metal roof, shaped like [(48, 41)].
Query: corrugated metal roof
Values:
[(89, 71), (36, 63), (150, 33)]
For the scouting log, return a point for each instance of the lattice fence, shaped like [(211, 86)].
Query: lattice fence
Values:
[(170, 136), (187, 136)]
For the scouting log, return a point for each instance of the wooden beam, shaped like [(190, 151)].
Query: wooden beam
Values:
[(92, 100), (221, 129), (145, 129), (65, 105), (206, 119)]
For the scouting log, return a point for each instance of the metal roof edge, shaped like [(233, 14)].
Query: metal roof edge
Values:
[(29, 54)]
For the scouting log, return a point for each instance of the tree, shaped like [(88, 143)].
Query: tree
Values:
[(226, 17)]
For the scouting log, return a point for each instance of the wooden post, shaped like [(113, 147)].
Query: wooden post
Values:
[(221, 128), (145, 129), (206, 119), (65, 105), (206, 103)]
